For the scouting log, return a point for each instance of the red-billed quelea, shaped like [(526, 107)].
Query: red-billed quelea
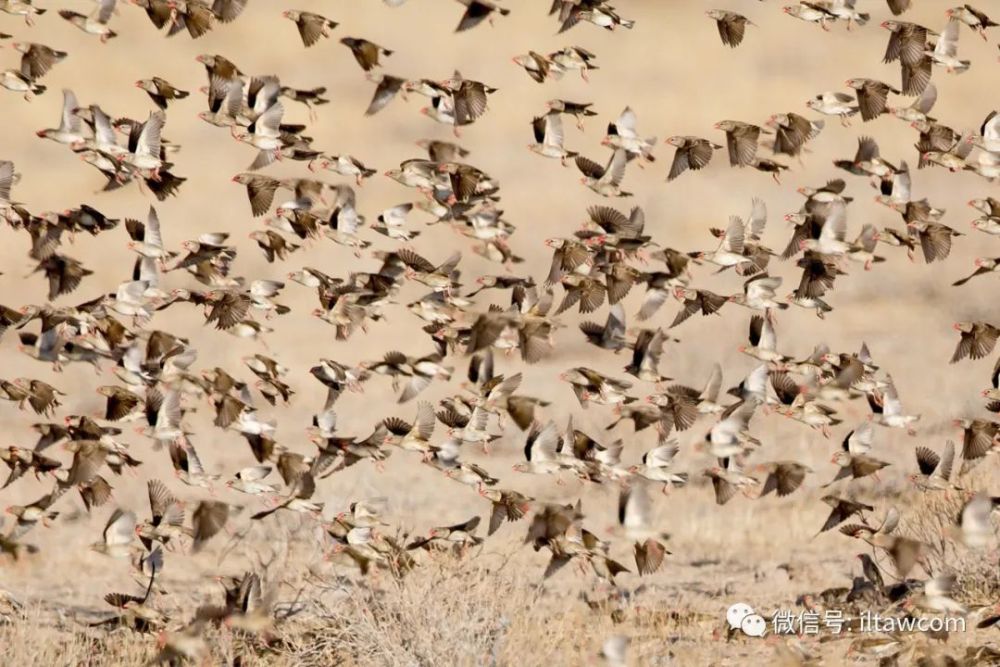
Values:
[(731, 26)]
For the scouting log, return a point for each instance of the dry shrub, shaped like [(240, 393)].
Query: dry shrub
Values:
[(483, 609), (29, 640), (931, 518), (447, 611), (471, 611)]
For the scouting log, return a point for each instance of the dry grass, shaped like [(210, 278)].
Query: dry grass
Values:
[(448, 611), (931, 518)]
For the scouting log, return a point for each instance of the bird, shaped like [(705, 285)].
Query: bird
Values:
[(477, 11), (692, 153), (161, 91), (842, 509), (872, 96), (934, 470), (365, 52), (635, 521), (741, 141), (853, 458), (977, 340), (549, 137), (97, 22), (792, 132), (972, 17), (731, 26), (605, 181), (622, 134), (312, 27), (945, 51)]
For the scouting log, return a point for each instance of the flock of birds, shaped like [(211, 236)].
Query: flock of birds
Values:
[(611, 254)]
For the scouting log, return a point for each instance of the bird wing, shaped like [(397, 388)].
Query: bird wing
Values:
[(626, 124), (733, 239), (615, 171), (947, 43), (120, 529), (859, 441), (268, 123), (927, 460), (70, 122), (553, 130), (148, 142)]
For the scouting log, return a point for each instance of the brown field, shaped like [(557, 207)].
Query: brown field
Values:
[(492, 607)]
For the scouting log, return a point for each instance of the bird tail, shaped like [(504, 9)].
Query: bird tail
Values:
[(627, 23), (503, 11), (38, 88), (367, 172), (386, 52), (862, 18), (181, 94), (39, 11), (784, 306)]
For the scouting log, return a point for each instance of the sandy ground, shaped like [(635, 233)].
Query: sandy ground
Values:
[(680, 80)]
